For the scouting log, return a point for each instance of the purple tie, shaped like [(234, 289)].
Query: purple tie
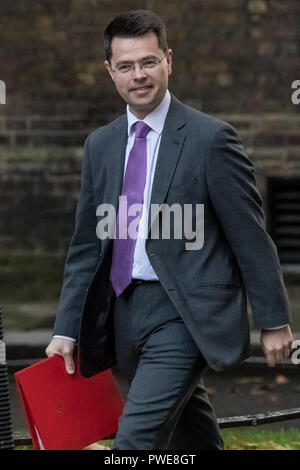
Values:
[(133, 189)]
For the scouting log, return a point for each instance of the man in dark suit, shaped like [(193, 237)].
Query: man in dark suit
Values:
[(163, 309)]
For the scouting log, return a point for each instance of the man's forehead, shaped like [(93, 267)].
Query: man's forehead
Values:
[(135, 48)]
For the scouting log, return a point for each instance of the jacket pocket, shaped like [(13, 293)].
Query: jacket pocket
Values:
[(218, 286), (184, 185)]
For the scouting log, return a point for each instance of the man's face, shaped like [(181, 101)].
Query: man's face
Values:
[(129, 85)]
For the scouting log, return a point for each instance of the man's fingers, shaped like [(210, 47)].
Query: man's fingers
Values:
[(49, 352), (64, 348), (69, 363), (278, 356), (271, 359), (277, 345), (286, 352)]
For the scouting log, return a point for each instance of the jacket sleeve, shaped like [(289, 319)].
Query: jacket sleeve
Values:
[(236, 200), (82, 257)]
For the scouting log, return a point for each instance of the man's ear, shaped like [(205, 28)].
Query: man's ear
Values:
[(169, 59), (108, 68)]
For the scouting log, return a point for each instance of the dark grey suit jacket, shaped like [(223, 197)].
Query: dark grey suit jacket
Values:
[(201, 160)]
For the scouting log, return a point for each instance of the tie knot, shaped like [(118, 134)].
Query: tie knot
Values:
[(141, 129)]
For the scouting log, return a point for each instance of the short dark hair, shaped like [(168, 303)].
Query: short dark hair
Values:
[(135, 23)]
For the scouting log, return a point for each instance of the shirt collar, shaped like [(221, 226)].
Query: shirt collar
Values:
[(155, 119)]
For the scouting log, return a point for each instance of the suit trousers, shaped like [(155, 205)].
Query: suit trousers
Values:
[(159, 370)]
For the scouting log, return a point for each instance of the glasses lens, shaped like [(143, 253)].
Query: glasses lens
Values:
[(124, 68), (149, 64)]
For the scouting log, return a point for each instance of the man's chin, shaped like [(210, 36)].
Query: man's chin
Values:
[(146, 102), (142, 104)]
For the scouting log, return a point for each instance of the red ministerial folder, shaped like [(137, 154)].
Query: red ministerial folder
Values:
[(68, 412)]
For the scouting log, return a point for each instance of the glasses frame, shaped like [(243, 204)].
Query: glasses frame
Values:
[(139, 63)]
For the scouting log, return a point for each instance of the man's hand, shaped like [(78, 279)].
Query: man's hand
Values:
[(276, 344), (62, 347)]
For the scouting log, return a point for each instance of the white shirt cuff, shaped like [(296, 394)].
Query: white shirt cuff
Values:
[(275, 327), (64, 337)]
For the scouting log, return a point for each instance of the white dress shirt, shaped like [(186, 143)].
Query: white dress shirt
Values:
[(142, 268)]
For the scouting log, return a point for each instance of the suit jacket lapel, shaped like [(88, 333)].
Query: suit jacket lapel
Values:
[(172, 139), (117, 160), (115, 167)]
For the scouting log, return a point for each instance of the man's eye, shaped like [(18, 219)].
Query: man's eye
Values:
[(124, 68), (149, 63)]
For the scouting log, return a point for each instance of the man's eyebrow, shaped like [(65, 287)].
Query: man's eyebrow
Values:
[(143, 58)]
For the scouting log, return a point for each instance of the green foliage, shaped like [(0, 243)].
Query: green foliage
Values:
[(261, 439)]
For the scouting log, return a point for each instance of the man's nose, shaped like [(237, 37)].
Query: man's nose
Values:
[(138, 72)]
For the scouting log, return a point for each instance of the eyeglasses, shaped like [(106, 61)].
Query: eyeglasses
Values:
[(144, 64)]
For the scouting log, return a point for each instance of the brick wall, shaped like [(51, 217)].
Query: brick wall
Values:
[(235, 59)]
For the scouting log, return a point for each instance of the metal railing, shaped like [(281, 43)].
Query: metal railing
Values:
[(6, 436)]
